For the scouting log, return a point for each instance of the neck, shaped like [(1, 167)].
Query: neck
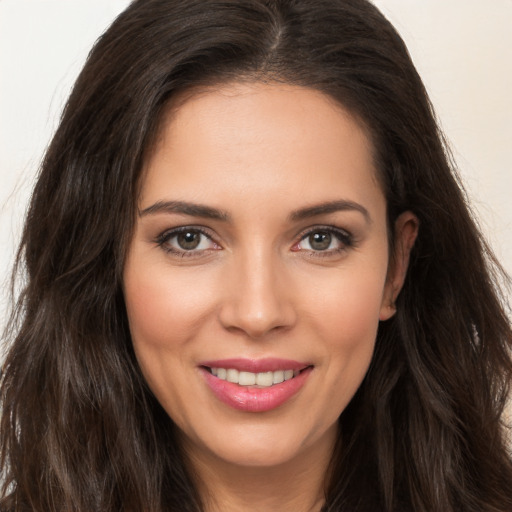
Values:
[(296, 485)]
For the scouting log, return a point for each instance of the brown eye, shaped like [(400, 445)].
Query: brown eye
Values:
[(325, 241), (186, 241), (189, 240), (320, 240)]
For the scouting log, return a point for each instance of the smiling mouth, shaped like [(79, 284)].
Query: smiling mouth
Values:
[(261, 379), (255, 385)]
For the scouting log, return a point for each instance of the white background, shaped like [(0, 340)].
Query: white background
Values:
[(462, 48)]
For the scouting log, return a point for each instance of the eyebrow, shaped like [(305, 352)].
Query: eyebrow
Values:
[(199, 210), (193, 209), (330, 207)]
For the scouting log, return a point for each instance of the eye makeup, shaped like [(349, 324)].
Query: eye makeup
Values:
[(196, 241)]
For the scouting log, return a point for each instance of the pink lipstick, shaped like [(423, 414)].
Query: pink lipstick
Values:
[(255, 385)]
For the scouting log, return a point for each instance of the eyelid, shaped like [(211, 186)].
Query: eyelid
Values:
[(163, 238), (342, 235), (345, 238), (323, 227)]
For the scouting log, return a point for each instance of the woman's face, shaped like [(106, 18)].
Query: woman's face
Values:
[(258, 270)]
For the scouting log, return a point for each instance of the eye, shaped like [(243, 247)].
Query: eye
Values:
[(186, 241), (328, 240)]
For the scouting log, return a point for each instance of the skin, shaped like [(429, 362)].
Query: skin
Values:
[(257, 286)]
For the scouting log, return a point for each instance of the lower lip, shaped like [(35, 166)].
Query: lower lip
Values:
[(253, 399)]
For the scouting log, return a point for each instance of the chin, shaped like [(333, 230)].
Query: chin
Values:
[(262, 445)]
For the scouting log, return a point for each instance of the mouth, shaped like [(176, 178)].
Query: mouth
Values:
[(255, 385), (259, 380)]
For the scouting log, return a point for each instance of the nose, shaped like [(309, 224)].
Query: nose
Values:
[(257, 296)]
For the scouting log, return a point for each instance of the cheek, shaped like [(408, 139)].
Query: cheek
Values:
[(163, 308), (345, 316), (352, 333), (347, 303)]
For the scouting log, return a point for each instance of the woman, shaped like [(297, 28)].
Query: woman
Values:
[(253, 281)]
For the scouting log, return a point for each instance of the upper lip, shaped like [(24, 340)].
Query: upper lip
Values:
[(269, 364)]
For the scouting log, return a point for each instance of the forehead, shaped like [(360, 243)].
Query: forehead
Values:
[(256, 138)]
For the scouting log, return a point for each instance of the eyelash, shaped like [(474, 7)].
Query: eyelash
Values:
[(343, 237), (163, 240)]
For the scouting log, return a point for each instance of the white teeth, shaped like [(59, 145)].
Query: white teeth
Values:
[(278, 377), (232, 376), (247, 379), (263, 379)]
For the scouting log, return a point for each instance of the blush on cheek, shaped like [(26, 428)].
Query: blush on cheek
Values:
[(161, 310), (350, 308)]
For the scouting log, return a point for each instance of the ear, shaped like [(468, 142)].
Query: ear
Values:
[(406, 231)]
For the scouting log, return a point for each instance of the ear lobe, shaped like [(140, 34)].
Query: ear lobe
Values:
[(406, 231)]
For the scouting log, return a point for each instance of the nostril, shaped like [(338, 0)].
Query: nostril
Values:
[(256, 325)]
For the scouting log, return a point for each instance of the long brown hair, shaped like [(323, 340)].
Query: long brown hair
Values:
[(80, 430)]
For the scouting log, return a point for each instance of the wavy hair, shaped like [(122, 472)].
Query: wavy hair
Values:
[(80, 430)]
